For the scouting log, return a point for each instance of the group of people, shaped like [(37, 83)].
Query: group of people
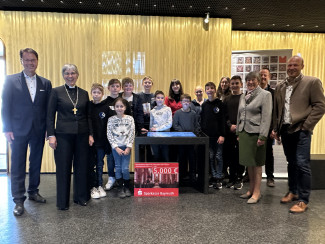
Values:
[(241, 129)]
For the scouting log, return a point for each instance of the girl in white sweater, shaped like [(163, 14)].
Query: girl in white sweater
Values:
[(120, 134)]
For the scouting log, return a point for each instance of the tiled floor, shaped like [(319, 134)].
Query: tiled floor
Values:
[(218, 217)]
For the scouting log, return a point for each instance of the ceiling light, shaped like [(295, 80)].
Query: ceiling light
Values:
[(273, 24), (316, 26), (173, 6), (288, 25), (244, 23), (226, 8), (207, 18), (258, 24), (61, 1), (80, 2), (99, 3), (118, 4), (208, 6), (244, 8), (155, 5), (191, 6), (136, 5), (302, 25)]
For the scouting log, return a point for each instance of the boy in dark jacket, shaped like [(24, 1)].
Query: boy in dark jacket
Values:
[(213, 125)]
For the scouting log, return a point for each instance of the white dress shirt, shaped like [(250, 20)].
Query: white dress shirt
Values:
[(31, 84)]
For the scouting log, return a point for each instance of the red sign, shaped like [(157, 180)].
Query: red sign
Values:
[(156, 179)]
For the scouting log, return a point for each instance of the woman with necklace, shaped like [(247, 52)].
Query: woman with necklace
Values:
[(70, 138)]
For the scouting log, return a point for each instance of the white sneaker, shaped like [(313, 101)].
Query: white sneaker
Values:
[(110, 183), (94, 193), (101, 191)]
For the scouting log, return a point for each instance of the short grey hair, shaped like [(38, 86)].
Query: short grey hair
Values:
[(252, 76), (70, 66)]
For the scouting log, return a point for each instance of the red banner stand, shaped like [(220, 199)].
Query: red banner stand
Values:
[(156, 179)]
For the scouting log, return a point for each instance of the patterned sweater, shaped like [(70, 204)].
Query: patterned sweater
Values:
[(161, 118), (120, 132)]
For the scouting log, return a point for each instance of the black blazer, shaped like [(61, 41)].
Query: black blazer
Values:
[(66, 121), (136, 111), (19, 113)]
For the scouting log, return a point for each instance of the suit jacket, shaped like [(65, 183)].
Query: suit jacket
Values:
[(307, 103), (19, 113), (255, 114), (66, 121)]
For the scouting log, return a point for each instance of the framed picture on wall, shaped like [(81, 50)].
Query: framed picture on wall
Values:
[(240, 68), (274, 59), (282, 67), (244, 62), (257, 60), (248, 68), (283, 59), (256, 68), (248, 60), (282, 76), (240, 60)]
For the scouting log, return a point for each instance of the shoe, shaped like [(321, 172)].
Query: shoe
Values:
[(246, 178), (110, 183), (37, 198), (64, 208), (300, 207), (218, 184), (127, 192), (81, 203), (212, 181), (19, 209), (245, 196), (230, 185), (120, 192), (94, 193), (253, 200), (289, 197), (238, 185), (270, 182), (101, 192)]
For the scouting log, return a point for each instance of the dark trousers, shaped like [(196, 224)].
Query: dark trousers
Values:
[(186, 160), (18, 164), (231, 155), (296, 147), (160, 153), (71, 149), (269, 161)]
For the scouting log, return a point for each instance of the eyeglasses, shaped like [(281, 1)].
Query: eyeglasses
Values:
[(29, 60), (198, 92)]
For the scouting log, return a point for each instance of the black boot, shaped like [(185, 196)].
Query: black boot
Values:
[(127, 188), (120, 189)]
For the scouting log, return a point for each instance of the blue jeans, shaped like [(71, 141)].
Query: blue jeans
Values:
[(110, 164), (122, 164), (296, 147), (99, 165), (215, 153)]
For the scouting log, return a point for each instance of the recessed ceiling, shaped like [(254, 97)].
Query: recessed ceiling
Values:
[(254, 15)]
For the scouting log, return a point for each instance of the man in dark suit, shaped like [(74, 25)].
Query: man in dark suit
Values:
[(269, 161), (24, 106)]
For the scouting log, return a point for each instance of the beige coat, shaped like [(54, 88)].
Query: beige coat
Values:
[(307, 104)]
